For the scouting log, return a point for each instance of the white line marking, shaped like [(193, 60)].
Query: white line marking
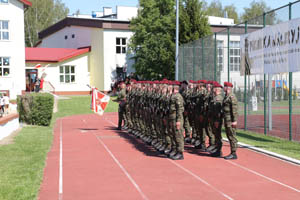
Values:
[(123, 169), (263, 176), (60, 163), (201, 180)]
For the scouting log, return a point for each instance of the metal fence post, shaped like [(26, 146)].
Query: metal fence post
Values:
[(202, 52), (290, 88), (194, 57), (245, 88), (215, 58), (228, 56), (265, 94), (183, 65)]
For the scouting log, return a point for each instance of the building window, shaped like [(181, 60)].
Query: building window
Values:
[(4, 30), (4, 66), (73, 35), (3, 1), (66, 37), (220, 46), (120, 45), (67, 74), (234, 56)]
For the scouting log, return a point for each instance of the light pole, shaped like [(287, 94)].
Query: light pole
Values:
[(177, 40)]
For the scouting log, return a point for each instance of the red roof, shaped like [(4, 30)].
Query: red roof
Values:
[(47, 55), (26, 2)]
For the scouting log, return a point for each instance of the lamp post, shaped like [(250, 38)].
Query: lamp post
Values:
[(177, 40)]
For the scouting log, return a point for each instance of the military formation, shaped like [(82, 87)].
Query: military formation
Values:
[(168, 114)]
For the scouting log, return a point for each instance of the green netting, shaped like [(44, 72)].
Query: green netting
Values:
[(218, 57)]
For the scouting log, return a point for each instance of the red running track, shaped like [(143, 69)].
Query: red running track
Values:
[(89, 160)]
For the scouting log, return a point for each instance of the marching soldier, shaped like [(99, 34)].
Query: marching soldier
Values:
[(216, 116), (186, 124), (230, 109), (176, 121), (122, 101)]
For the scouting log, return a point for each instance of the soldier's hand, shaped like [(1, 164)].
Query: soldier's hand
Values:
[(216, 124), (201, 118), (234, 124), (178, 125)]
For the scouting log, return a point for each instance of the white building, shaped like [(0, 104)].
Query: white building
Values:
[(12, 46), (106, 33), (65, 71)]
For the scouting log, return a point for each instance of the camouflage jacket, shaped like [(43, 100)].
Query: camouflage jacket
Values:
[(217, 108), (176, 107), (230, 108)]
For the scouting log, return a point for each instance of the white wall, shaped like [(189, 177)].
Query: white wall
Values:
[(82, 76), (57, 40), (126, 12), (14, 48), (111, 58)]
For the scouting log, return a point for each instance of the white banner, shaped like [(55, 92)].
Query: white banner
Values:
[(271, 50)]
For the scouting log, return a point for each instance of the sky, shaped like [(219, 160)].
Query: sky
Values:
[(87, 6)]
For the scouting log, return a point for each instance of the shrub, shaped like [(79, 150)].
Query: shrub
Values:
[(36, 108)]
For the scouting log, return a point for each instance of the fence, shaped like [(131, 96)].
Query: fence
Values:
[(218, 57)]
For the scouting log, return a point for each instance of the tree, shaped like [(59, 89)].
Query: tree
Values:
[(153, 42), (42, 14), (215, 8), (232, 13), (193, 21), (257, 9)]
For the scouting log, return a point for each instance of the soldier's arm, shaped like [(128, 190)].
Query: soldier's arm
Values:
[(179, 109), (234, 108)]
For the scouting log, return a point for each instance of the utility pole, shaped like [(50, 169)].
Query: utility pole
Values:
[(177, 40)]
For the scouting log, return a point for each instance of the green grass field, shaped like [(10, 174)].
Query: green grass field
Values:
[(23, 162)]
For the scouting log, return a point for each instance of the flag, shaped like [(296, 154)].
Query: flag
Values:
[(99, 101), (37, 66)]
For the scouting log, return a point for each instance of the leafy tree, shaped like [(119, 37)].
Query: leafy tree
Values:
[(215, 8), (42, 14), (232, 13), (193, 21), (257, 9), (153, 42)]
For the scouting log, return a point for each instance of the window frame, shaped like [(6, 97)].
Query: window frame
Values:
[(121, 46), (220, 46), (234, 56), (70, 74), (2, 66), (2, 31)]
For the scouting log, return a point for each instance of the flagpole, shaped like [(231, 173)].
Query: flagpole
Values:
[(177, 39)]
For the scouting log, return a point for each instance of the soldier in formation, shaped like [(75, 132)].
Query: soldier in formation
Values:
[(167, 114)]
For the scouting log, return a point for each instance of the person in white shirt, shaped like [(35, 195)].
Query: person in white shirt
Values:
[(6, 103), (1, 105)]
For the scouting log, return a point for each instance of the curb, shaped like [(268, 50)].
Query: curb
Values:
[(269, 153)]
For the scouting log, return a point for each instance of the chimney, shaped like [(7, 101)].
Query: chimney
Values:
[(107, 11)]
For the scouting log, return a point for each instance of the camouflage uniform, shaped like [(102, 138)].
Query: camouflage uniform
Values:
[(122, 101), (230, 109)]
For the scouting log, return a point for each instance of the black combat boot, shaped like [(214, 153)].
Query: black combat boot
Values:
[(201, 147), (187, 140), (211, 148), (193, 140), (217, 154), (162, 148), (167, 151), (173, 153), (178, 156), (231, 156)]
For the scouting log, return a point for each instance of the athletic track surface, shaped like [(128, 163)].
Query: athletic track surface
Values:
[(90, 160)]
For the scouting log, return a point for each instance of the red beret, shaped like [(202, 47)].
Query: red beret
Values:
[(216, 84), (204, 81), (228, 84), (210, 82)]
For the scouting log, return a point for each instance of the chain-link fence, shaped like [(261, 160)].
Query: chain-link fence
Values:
[(268, 103)]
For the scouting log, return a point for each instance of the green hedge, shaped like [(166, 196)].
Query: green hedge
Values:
[(36, 108)]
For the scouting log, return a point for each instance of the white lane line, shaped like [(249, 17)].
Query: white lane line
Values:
[(201, 180), (191, 173), (123, 169), (263, 176), (60, 164)]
